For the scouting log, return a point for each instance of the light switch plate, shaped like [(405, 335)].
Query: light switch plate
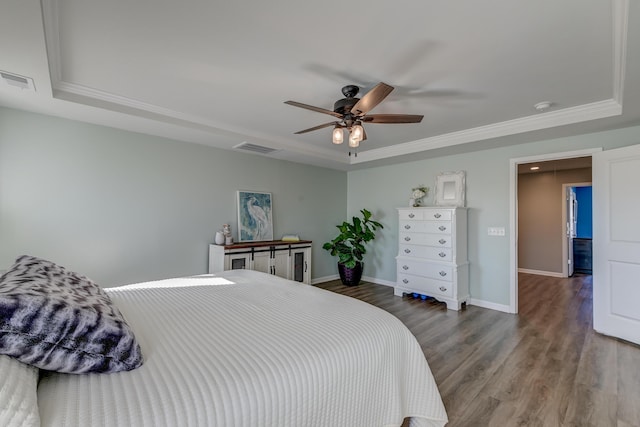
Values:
[(496, 231)]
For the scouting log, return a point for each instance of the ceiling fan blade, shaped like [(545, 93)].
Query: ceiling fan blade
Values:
[(326, 125), (372, 98), (312, 108), (392, 118)]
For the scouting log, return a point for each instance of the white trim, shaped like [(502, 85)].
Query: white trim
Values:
[(542, 273), (620, 15), (52, 39), (378, 281), (364, 279), (324, 279), (513, 212), (581, 113), (490, 305)]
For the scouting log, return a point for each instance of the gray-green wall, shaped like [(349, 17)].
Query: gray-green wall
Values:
[(382, 189), (123, 207)]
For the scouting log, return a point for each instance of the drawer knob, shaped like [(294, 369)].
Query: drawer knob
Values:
[(437, 215), (407, 238), (443, 273), (442, 241), (442, 255), (407, 251), (407, 226), (405, 281), (443, 289), (405, 267), (442, 228), (411, 215)]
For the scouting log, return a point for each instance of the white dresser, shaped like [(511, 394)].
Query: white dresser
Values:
[(432, 254), (290, 260)]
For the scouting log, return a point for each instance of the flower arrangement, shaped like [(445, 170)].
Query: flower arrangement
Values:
[(418, 193)]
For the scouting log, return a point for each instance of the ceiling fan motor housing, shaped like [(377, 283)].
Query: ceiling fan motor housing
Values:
[(344, 105)]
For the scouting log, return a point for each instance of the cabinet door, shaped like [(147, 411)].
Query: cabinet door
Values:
[(280, 263), (262, 262), (300, 262), (237, 261)]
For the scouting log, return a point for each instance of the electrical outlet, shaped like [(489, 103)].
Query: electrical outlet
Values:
[(496, 231)]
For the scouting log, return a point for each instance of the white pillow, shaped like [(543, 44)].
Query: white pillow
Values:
[(18, 393)]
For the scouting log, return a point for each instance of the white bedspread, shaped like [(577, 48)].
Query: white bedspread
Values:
[(243, 348)]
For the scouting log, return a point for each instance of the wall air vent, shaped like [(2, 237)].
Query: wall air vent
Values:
[(254, 148), (21, 82)]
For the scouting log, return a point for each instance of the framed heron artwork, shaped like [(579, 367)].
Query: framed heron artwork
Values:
[(255, 216)]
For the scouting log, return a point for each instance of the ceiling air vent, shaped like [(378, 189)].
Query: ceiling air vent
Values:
[(254, 148), (21, 82)]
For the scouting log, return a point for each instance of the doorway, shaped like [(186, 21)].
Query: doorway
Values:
[(551, 265), (577, 215)]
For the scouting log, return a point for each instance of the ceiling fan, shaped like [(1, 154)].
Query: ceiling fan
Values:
[(351, 112)]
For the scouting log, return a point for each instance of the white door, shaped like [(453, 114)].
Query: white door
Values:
[(572, 222), (616, 243)]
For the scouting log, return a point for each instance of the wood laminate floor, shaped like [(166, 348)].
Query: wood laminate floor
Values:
[(543, 367)]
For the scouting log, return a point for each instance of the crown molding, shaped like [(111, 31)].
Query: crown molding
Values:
[(620, 15), (581, 113)]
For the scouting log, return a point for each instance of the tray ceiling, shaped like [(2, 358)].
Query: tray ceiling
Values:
[(217, 73)]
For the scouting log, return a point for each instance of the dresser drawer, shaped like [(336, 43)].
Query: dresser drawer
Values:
[(425, 286), (428, 252), (426, 214), (410, 214), (438, 240), (440, 227), (425, 269)]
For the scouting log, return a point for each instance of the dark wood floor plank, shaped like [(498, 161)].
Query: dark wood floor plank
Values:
[(543, 367)]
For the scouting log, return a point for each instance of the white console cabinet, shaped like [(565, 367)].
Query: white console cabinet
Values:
[(432, 254), (290, 260)]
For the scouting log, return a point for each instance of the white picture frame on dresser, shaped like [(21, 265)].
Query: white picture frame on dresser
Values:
[(432, 254), (451, 189)]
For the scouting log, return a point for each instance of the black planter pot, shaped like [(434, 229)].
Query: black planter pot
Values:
[(350, 276)]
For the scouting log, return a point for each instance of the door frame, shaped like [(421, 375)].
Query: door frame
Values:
[(565, 216), (513, 211)]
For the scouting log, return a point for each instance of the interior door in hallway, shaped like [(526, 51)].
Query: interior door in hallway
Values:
[(616, 240), (572, 210)]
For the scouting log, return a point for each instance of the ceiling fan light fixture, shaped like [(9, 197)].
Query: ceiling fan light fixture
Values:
[(338, 135), (357, 132), (354, 142)]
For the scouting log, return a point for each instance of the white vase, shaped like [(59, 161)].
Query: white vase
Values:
[(219, 240), (412, 202)]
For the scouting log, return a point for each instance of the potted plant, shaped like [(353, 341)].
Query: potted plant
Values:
[(349, 247)]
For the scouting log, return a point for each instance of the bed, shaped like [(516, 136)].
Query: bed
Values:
[(243, 348)]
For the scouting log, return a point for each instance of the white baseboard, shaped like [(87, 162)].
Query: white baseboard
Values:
[(324, 279), (378, 281), (540, 272), (364, 279), (489, 305)]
